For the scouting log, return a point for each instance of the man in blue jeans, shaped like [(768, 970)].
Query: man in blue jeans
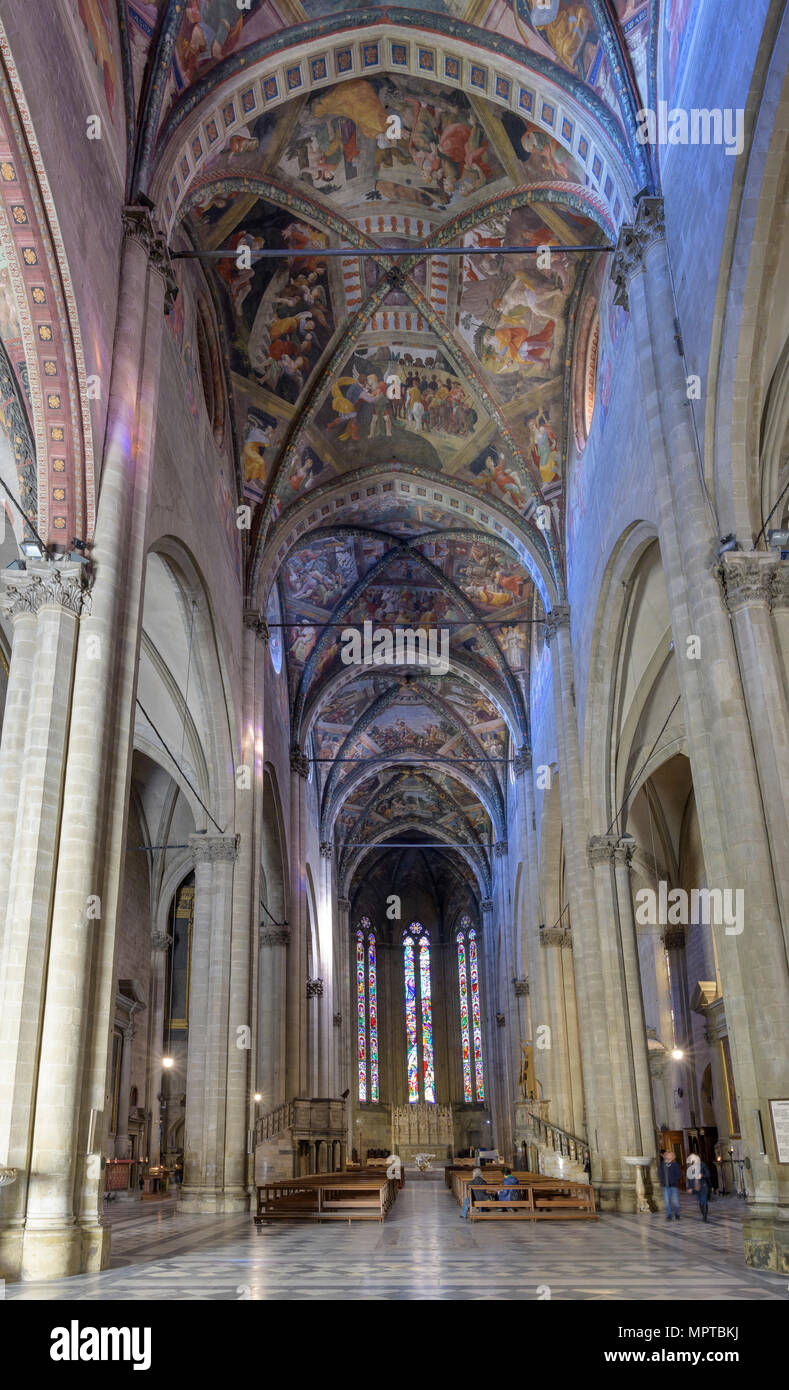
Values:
[(669, 1176)]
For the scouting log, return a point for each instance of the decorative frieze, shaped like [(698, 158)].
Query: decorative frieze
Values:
[(781, 585), (214, 849), (314, 989)]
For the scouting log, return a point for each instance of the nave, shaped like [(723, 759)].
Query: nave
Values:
[(424, 1251)]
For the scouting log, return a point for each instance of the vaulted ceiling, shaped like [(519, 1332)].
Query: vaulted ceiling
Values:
[(402, 423)]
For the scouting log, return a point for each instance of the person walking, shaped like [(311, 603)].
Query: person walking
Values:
[(697, 1177), (669, 1176)]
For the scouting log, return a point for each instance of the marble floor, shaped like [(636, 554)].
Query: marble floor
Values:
[(423, 1251)]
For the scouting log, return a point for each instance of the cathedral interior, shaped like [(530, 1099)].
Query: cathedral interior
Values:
[(394, 644)]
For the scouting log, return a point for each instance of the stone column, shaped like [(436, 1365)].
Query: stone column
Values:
[(213, 1034), (623, 853), (314, 994), (326, 946), (274, 943), (504, 968), (124, 1089), (489, 1013), (622, 1078), (346, 1074), (556, 944), (64, 1231), (160, 941), (46, 601), (730, 799), (298, 1041), (753, 582), (592, 1021)]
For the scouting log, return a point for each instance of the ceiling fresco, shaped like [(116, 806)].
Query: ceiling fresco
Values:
[(402, 422)]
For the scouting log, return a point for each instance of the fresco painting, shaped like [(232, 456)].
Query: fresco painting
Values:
[(341, 148), (98, 24)]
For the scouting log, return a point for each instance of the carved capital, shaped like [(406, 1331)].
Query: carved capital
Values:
[(781, 585), (521, 988), (500, 1020), (487, 904), (522, 761), (256, 624), (214, 849), (314, 989), (500, 849), (559, 616), (634, 241), (327, 849), (138, 225), (299, 762), (556, 936), (337, 1020), (623, 851), (344, 904), (274, 936), (47, 584), (160, 941), (747, 579), (600, 849)]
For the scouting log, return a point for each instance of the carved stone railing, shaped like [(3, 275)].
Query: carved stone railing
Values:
[(560, 1141), (273, 1123)]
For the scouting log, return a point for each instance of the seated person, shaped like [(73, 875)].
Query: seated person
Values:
[(509, 1194), (477, 1180)]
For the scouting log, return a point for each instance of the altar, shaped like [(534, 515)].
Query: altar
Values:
[(422, 1128)]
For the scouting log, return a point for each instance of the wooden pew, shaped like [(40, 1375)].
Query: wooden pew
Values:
[(326, 1196), (539, 1199)]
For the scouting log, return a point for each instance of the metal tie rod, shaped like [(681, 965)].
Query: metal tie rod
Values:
[(272, 253)]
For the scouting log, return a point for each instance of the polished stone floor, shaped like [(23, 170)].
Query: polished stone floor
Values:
[(423, 1251)]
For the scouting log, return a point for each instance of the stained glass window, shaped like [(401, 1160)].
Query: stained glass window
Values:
[(470, 1033), (372, 984), (428, 1073), (464, 1031), (367, 1011), (410, 1020), (418, 1001), (361, 1015)]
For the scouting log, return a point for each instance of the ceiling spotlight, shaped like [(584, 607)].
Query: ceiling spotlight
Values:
[(729, 542), (31, 549), (677, 1054), (779, 540), (167, 1062), (258, 1096)]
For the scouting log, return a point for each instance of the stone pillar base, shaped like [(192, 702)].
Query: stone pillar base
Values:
[(212, 1200), (615, 1196), (11, 1255), (766, 1240), (62, 1251)]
